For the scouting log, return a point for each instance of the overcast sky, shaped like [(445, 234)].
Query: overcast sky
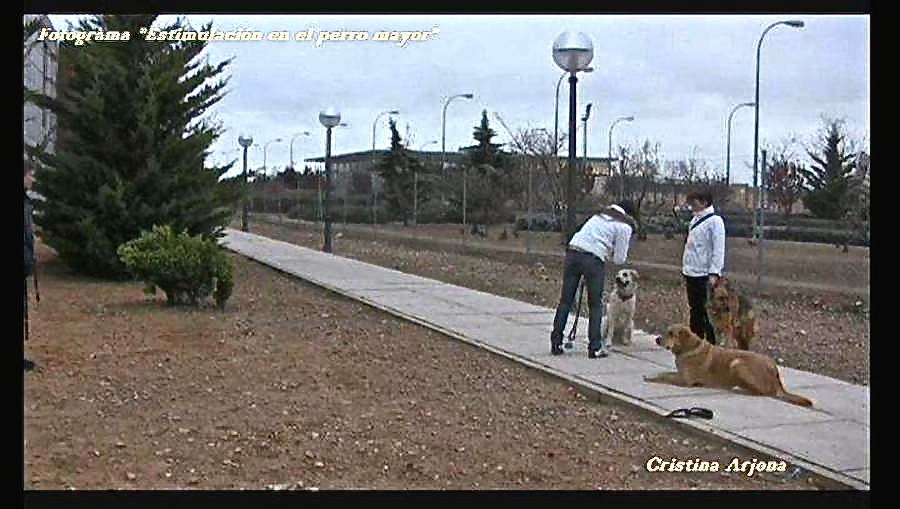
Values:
[(679, 76)]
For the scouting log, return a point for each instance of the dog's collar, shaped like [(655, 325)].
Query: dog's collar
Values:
[(695, 350), (623, 299)]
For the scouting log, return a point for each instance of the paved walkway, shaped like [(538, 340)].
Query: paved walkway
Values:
[(831, 440)]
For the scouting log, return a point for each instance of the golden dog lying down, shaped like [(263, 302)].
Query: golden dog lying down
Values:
[(701, 364)]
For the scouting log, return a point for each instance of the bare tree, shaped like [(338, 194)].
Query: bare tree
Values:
[(785, 177)]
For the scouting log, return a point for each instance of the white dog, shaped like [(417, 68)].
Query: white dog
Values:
[(620, 305)]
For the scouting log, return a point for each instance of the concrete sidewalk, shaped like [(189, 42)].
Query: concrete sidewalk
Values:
[(831, 440)]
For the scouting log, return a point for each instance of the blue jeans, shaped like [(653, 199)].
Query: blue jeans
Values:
[(593, 269)]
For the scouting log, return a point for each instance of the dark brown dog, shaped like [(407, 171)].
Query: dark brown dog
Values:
[(731, 314), (701, 364)]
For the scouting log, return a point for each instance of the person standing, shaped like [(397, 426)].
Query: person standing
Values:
[(604, 236), (703, 260), (30, 258)]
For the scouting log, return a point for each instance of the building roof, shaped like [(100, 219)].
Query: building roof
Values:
[(366, 156)]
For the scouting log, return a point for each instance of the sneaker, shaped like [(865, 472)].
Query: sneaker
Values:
[(598, 354), (556, 350)]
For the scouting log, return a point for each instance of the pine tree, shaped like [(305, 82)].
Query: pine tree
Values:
[(489, 181), (828, 179), (397, 168), (138, 139)]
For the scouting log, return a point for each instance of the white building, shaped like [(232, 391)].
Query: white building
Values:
[(40, 60)]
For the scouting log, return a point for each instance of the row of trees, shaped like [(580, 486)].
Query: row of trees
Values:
[(833, 186)]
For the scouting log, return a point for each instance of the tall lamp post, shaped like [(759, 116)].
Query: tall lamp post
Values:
[(329, 118), (265, 153), (245, 142), (572, 52), (621, 171), (444, 133), (321, 215), (294, 137), (790, 23), (372, 171), (416, 188), (556, 110), (584, 119), (728, 142)]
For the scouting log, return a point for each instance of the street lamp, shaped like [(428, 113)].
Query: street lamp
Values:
[(587, 115), (245, 142), (444, 130), (372, 171), (728, 142), (609, 155), (416, 188), (329, 118), (572, 52), (319, 188), (790, 23), (265, 153), (556, 111), (294, 137)]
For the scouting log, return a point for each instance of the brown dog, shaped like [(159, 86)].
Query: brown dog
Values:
[(731, 315), (701, 364)]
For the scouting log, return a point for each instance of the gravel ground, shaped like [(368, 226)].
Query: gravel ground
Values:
[(296, 387), (825, 332)]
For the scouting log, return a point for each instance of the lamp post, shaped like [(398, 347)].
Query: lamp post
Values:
[(444, 134), (245, 142), (265, 153), (294, 137), (621, 170), (372, 171), (319, 189), (790, 23), (587, 115), (416, 188), (572, 52), (556, 110), (329, 118), (728, 142)]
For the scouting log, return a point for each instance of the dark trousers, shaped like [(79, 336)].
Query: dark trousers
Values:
[(696, 294), (592, 268)]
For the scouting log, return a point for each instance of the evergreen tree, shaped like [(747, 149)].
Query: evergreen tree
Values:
[(397, 168), (828, 179), (134, 114), (490, 183)]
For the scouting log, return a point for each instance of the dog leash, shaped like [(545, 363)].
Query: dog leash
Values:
[(571, 342), (568, 345)]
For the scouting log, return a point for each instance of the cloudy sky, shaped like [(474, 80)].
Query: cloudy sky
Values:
[(679, 76)]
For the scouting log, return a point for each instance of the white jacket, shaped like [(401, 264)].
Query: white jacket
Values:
[(704, 251), (604, 237)]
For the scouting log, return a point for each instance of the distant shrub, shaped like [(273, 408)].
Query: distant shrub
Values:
[(187, 269)]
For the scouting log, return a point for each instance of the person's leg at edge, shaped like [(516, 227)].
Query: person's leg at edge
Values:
[(571, 277), (595, 276), (696, 293)]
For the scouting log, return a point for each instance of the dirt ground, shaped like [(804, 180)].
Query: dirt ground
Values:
[(295, 386), (825, 332)]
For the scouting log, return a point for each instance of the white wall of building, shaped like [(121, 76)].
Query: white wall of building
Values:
[(40, 61)]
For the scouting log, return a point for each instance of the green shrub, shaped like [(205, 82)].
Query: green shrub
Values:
[(187, 269)]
